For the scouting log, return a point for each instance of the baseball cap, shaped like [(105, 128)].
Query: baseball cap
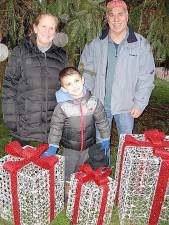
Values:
[(116, 3)]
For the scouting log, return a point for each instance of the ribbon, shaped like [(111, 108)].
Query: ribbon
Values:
[(155, 140), (100, 177), (28, 155)]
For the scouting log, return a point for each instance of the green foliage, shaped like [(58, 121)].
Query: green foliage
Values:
[(160, 94), (83, 20), (4, 133), (59, 7), (61, 219), (19, 15), (134, 16), (89, 26), (159, 36)]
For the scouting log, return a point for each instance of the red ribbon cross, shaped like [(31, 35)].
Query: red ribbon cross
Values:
[(28, 155), (100, 177), (155, 140)]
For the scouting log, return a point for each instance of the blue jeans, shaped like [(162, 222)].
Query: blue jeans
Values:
[(124, 123)]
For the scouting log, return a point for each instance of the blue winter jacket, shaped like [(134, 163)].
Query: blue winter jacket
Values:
[(134, 73)]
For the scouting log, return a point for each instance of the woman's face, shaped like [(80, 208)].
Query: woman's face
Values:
[(45, 30)]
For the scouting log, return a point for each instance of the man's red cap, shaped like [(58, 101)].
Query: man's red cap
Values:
[(116, 3)]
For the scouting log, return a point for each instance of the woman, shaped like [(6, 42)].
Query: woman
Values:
[(31, 79)]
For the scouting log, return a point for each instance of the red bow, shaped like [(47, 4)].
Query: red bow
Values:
[(28, 154), (100, 177), (155, 140)]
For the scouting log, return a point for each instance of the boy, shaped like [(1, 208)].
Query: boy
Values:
[(73, 121)]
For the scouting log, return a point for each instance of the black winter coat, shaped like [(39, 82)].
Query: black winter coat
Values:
[(28, 95)]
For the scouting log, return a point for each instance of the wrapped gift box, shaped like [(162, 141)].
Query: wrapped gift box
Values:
[(142, 174), (31, 188), (93, 202)]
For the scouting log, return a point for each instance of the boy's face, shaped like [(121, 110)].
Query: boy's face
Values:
[(73, 84)]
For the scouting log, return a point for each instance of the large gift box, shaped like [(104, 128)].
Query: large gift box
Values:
[(91, 196), (31, 187), (142, 174)]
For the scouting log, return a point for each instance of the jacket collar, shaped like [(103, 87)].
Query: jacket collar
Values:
[(63, 96), (82, 99), (131, 37), (30, 43)]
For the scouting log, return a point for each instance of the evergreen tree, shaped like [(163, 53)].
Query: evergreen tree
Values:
[(158, 33), (82, 20)]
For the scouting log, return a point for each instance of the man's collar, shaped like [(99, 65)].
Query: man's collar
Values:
[(131, 37)]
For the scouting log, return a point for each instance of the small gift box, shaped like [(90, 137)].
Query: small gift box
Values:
[(31, 188), (142, 174), (91, 196)]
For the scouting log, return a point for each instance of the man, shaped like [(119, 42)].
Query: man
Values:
[(119, 68)]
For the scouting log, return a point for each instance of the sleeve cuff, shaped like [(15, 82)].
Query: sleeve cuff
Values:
[(105, 139), (53, 145)]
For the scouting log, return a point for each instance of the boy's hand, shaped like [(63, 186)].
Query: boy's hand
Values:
[(52, 150)]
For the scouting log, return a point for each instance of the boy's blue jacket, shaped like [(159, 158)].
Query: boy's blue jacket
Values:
[(134, 72), (73, 121)]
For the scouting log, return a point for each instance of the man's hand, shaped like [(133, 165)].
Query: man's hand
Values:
[(135, 113)]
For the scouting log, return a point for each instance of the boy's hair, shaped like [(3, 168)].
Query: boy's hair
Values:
[(68, 71)]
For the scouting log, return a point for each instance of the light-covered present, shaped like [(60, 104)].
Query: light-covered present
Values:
[(91, 196), (142, 175), (31, 188)]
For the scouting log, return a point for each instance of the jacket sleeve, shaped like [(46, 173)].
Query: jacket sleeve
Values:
[(57, 124), (86, 66), (101, 120), (145, 80), (9, 89)]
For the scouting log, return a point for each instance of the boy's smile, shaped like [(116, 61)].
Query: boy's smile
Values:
[(73, 84)]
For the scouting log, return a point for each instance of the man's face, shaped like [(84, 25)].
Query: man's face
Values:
[(73, 84), (117, 19)]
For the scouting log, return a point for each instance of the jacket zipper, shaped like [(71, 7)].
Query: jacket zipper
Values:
[(82, 127), (46, 93)]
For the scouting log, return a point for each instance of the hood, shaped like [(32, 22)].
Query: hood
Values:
[(62, 96)]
